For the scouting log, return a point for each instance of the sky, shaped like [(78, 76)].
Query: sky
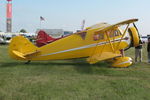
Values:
[(68, 14)]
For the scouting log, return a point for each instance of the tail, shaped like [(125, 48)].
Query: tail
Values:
[(21, 48)]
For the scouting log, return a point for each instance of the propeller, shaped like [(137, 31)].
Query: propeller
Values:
[(140, 41), (130, 33)]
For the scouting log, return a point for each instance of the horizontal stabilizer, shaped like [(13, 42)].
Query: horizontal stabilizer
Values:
[(31, 54), (23, 56), (19, 54), (104, 56)]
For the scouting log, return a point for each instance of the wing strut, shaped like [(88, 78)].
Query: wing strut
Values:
[(109, 41), (123, 36), (91, 57), (98, 52)]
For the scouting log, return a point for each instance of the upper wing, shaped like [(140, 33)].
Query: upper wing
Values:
[(117, 25)]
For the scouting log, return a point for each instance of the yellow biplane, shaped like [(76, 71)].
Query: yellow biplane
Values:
[(97, 43)]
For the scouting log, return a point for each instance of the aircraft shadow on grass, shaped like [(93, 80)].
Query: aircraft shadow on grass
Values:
[(79, 65)]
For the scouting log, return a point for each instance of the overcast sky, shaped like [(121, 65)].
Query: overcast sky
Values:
[(68, 14)]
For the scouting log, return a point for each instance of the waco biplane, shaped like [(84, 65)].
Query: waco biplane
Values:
[(96, 43)]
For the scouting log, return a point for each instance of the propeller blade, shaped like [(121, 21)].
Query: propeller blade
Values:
[(140, 41)]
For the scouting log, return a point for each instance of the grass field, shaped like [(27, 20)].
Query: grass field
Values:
[(72, 80)]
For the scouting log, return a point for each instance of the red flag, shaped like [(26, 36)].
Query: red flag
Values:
[(41, 18)]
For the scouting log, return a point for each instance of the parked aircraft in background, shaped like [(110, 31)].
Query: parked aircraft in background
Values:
[(5, 38), (43, 38)]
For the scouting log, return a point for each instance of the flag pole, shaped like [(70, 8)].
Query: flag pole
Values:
[(41, 19)]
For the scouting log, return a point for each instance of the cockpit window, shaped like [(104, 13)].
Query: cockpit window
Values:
[(99, 36), (113, 33), (110, 33), (117, 33)]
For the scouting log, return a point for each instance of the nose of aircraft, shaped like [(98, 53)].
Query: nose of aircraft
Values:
[(134, 36), (140, 39)]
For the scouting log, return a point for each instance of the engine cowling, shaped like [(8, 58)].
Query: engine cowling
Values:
[(135, 38)]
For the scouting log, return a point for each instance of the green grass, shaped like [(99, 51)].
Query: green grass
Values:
[(72, 80)]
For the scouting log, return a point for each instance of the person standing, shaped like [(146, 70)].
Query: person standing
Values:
[(148, 49), (138, 53)]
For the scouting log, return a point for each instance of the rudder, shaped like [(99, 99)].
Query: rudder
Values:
[(20, 47)]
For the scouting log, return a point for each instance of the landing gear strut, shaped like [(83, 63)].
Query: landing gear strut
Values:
[(28, 62)]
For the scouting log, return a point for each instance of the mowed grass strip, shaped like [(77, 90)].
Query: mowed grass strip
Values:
[(72, 80)]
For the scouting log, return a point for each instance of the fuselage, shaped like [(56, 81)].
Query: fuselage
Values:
[(82, 44)]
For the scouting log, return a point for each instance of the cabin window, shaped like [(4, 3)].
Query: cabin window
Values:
[(98, 36), (113, 33), (117, 33)]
